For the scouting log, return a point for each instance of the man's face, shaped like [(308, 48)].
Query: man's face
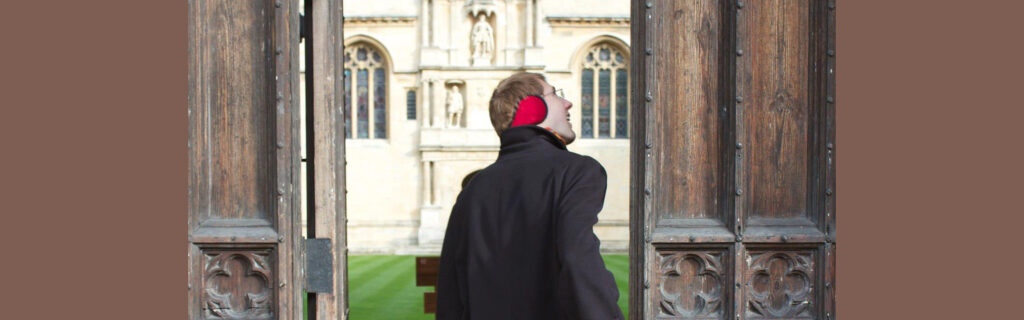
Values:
[(558, 113)]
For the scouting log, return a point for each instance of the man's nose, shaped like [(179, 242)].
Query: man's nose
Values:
[(568, 104)]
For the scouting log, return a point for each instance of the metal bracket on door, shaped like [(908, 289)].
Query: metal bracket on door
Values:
[(319, 266)]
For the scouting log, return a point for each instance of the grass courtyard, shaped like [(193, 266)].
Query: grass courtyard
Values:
[(384, 287)]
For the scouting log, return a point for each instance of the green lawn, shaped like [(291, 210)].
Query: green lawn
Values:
[(384, 287)]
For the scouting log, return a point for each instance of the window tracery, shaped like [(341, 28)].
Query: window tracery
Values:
[(365, 92), (604, 83)]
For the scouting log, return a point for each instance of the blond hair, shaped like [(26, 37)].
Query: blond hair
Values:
[(506, 96)]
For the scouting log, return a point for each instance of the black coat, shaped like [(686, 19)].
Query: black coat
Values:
[(520, 242)]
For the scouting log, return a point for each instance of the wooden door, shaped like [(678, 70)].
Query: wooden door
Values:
[(733, 148), (243, 141)]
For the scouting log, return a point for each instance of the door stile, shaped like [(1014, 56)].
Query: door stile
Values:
[(328, 151), (830, 161), (732, 153), (640, 52), (289, 162)]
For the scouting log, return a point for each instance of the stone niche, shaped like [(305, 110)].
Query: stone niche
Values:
[(455, 104), (457, 140)]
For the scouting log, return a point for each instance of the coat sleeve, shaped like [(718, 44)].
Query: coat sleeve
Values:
[(450, 297), (586, 289)]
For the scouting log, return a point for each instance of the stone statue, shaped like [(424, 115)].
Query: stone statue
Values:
[(482, 40), (455, 108)]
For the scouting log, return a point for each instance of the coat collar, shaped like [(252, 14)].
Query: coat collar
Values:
[(527, 137)]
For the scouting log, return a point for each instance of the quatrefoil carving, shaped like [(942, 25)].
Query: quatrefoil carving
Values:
[(237, 286), (779, 284), (690, 284)]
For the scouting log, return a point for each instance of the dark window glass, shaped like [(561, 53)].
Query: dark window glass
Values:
[(380, 127), (604, 103), (621, 105), (362, 94), (587, 111), (365, 93), (348, 103), (410, 105)]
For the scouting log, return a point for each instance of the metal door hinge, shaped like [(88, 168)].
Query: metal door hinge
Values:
[(319, 266)]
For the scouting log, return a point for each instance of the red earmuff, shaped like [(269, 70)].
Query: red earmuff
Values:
[(531, 110)]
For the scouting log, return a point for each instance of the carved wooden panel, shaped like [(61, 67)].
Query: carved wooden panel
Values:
[(779, 284), (238, 284), (692, 284)]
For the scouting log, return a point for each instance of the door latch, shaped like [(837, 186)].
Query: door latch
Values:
[(319, 266)]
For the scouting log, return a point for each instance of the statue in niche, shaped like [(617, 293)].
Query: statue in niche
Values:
[(482, 41), (455, 107)]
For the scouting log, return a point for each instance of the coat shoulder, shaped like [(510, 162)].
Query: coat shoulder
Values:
[(581, 164)]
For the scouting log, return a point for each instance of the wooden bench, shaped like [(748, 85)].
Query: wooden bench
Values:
[(427, 269)]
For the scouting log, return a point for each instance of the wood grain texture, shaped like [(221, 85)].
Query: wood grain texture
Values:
[(238, 284), (687, 117), (638, 160), (692, 283), (779, 283), (238, 94), (328, 151), (829, 293), (772, 78), (737, 154), (243, 155)]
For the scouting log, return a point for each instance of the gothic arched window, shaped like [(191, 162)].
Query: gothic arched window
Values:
[(366, 72), (604, 85)]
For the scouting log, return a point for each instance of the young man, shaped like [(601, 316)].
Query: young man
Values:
[(520, 242)]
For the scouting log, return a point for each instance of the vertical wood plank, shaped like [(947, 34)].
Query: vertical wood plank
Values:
[(286, 59), (831, 245), (238, 95), (329, 149), (687, 110), (638, 161), (196, 167), (772, 79)]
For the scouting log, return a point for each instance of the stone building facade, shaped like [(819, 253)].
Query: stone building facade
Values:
[(419, 74)]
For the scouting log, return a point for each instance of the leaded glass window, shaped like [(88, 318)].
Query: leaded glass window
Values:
[(366, 108), (348, 102), (362, 104), (410, 105), (588, 104), (621, 108), (604, 95), (604, 99), (379, 125)]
